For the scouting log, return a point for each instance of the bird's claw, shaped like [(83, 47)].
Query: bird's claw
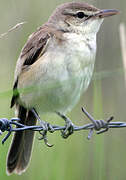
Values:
[(69, 127), (46, 127), (68, 130)]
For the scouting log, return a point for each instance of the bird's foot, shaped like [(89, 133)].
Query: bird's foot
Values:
[(45, 128), (69, 126)]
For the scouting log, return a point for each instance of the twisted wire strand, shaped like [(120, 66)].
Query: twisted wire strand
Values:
[(13, 125)]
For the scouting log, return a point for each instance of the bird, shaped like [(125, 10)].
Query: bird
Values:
[(54, 68)]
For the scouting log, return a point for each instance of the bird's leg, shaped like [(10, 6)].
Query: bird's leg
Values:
[(46, 127), (69, 126)]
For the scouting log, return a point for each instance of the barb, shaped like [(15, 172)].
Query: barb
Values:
[(9, 126)]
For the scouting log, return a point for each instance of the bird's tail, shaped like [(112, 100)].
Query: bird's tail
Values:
[(21, 147)]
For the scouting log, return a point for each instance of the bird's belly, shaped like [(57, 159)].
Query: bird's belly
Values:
[(61, 98), (59, 85)]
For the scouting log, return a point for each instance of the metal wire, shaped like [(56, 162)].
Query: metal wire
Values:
[(13, 125)]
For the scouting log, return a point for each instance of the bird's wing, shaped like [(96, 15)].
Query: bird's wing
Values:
[(32, 51)]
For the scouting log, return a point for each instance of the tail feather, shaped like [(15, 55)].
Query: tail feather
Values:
[(21, 147)]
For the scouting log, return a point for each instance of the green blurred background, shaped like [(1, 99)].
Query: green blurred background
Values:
[(104, 156)]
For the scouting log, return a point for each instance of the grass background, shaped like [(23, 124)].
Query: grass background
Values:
[(101, 158)]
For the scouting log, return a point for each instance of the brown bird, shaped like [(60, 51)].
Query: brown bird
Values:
[(53, 70)]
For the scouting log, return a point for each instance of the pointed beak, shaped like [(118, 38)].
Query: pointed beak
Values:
[(106, 13)]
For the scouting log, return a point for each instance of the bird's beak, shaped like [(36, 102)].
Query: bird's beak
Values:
[(106, 13)]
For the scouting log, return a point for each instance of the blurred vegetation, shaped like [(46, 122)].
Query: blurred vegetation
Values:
[(101, 158)]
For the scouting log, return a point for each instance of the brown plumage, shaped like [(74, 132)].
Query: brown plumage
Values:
[(52, 57), (20, 150)]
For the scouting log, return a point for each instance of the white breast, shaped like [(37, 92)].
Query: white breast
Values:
[(64, 73)]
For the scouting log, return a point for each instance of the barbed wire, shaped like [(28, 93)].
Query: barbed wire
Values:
[(9, 126)]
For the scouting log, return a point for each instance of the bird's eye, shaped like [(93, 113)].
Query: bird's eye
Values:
[(81, 15)]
